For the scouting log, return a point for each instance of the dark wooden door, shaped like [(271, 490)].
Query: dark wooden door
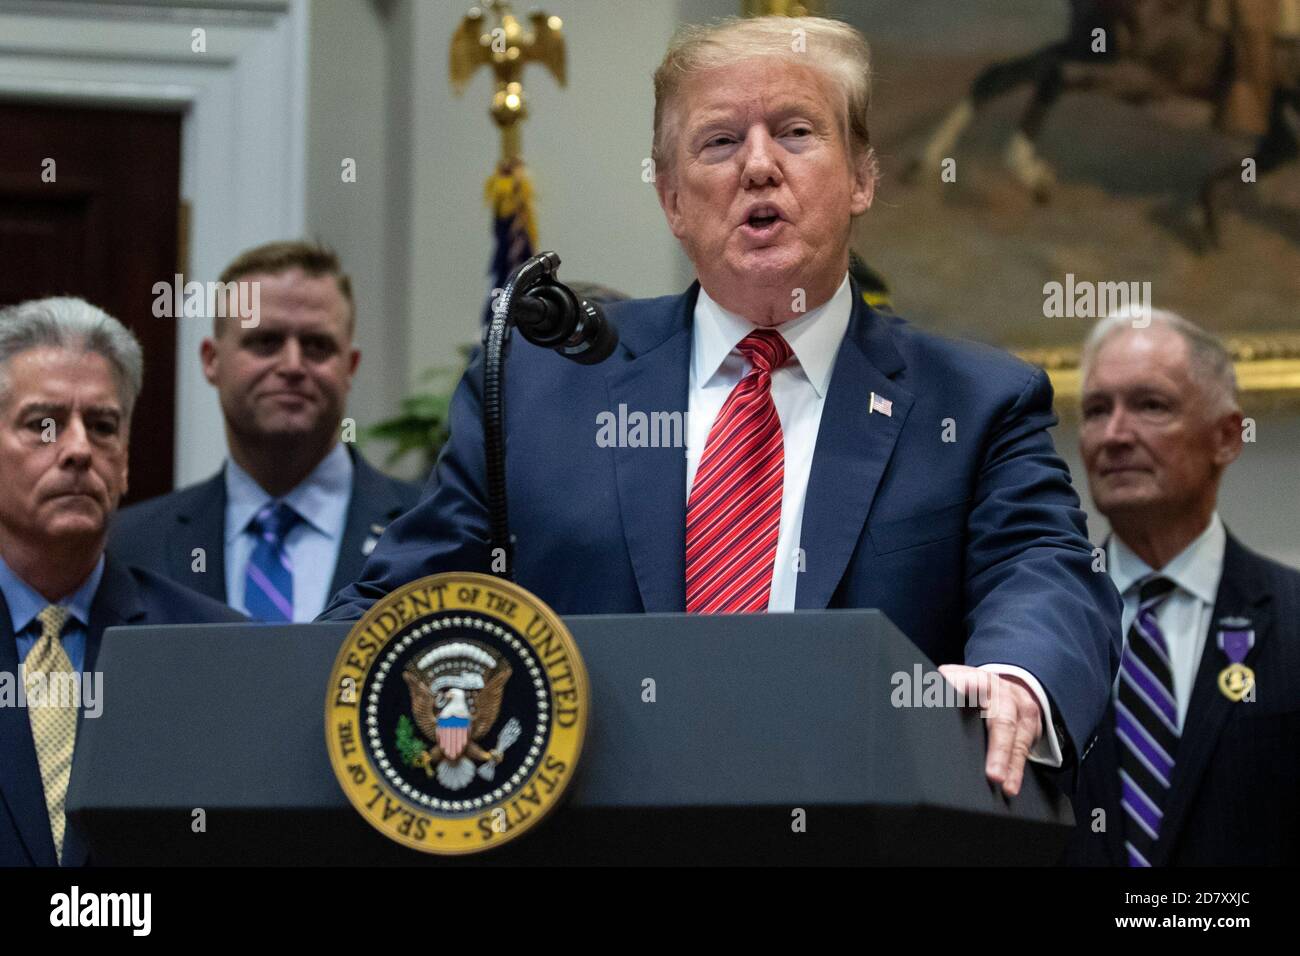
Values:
[(105, 229)]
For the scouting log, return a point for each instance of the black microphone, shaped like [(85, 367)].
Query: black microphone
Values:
[(548, 314)]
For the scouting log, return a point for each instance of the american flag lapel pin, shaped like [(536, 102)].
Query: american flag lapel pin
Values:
[(882, 405), (376, 530)]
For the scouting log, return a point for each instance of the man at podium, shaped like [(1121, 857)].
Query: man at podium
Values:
[(834, 457)]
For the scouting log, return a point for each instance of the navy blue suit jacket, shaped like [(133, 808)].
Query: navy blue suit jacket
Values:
[(125, 596), (161, 534), (1235, 795), (976, 548)]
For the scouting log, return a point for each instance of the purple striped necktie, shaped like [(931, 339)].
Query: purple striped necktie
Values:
[(1146, 723), (268, 582)]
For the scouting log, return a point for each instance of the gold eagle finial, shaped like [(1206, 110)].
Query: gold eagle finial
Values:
[(507, 48), (784, 8)]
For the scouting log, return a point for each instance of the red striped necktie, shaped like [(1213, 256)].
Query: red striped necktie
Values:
[(734, 512)]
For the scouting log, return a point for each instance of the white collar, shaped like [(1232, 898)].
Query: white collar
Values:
[(814, 338), (1196, 569), (315, 498)]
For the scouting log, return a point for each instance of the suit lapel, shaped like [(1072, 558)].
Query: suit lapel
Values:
[(1239, 596), (201, 523), (20, 774), (652, 481), (371, 507), (1105, 772), (117, 602), (853, 447)]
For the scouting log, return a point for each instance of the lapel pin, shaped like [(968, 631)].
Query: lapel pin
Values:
[(1235, 639), (372, 539), (882, 405)]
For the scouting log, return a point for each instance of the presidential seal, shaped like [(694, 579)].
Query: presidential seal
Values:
[(456, 713)]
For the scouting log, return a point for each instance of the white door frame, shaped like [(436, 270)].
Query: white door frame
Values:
[(243, 133)]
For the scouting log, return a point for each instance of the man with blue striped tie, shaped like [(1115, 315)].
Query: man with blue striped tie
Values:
[(268, 585), (295, 510), (1196, 762)]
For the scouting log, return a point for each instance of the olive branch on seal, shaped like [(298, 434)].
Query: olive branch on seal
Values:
[(413, 751)]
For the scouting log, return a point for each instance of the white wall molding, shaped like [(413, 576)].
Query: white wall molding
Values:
[(244, 130), (196, 12)]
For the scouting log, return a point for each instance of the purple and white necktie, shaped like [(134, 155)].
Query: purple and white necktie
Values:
[(1146, 722)]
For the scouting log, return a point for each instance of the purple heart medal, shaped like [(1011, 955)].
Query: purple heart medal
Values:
[(1235, 639)]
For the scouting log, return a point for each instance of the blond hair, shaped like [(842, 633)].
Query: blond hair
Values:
[(274, 258), (835, 49)]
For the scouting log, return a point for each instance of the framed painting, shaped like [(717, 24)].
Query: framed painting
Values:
[(1046, 162)]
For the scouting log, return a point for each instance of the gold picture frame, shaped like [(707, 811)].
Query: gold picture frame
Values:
[(1267, 367)]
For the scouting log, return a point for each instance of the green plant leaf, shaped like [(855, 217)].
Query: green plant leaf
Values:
[(423, 422)]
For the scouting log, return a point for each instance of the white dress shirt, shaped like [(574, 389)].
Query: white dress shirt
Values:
[(312, 544), (1185, 616), (799, 392)]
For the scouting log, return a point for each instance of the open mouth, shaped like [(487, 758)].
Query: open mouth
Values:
[(762, 224)]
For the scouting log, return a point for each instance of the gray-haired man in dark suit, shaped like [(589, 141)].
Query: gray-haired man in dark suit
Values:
[(1196, 761)]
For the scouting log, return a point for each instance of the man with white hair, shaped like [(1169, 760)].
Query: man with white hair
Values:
[(1197, 760), (69, 378), (835, 456)]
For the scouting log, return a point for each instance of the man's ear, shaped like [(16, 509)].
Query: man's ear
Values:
[(866, 172), (126, 463), (666, 188), (354, 359), (1228, 443), (209, 359)]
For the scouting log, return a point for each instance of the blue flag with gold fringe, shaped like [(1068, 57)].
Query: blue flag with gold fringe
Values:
[(509, 193)]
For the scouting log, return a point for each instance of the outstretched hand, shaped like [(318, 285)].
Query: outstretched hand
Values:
[(1014, 721)]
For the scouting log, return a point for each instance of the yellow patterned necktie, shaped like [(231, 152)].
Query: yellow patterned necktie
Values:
[(54, 720)]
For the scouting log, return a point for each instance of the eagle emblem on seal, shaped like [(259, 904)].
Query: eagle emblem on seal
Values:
[(456, 690)]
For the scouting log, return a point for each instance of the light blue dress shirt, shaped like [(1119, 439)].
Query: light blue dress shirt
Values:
[(25, 603), (1185, 616), (321, 500)]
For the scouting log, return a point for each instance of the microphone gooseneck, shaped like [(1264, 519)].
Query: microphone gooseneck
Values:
[(548, 315)]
